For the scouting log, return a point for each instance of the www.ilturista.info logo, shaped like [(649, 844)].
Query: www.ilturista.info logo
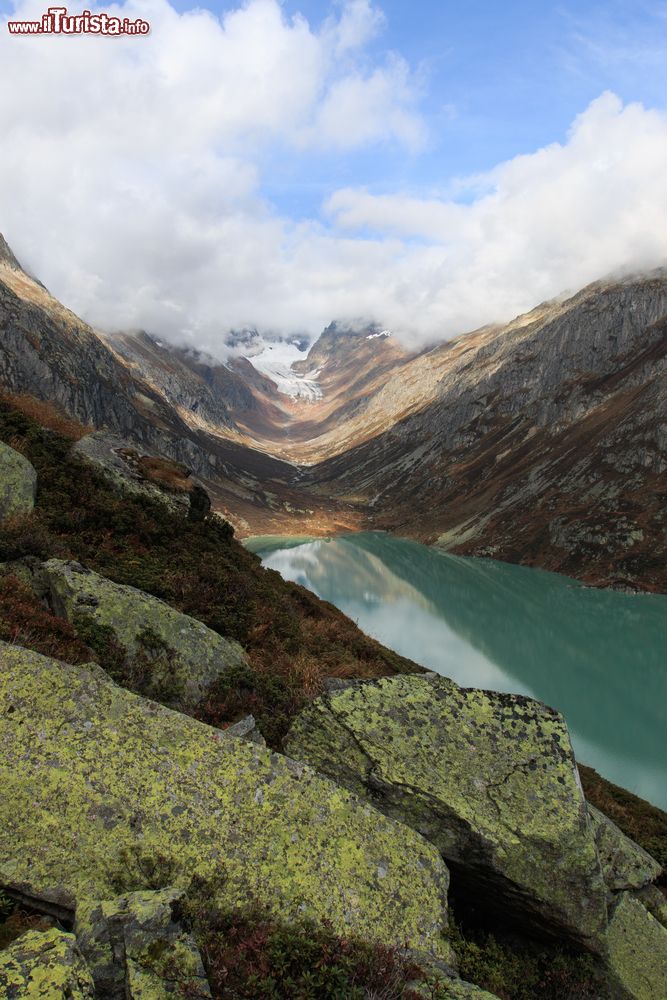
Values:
[(57, 21)]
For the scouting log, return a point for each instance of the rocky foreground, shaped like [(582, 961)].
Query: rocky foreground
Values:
[(395, 806)]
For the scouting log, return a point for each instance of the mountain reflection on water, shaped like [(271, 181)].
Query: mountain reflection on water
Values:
[(598, 656)]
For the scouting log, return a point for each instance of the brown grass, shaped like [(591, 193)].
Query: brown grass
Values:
[(170, 475), (46, 414)]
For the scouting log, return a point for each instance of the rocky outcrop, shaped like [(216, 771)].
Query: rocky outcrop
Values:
[(173, 657), (18, 483), (136, 949), (118, 460), (489, 778), (637, 951), (625, 865), (654, 900), (45, 966), (105, 793)]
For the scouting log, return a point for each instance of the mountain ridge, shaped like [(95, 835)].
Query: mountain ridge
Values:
[(541, 441)]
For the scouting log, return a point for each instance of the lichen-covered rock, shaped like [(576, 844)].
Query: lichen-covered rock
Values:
[(489, 778), (136, 949), (117, 459), (246, 729), (18, 483), (625, 865), (637, 951), (178, 656), (44, 966), (105, 792), (653, 899)]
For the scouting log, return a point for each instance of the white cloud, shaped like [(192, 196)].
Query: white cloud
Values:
[(131, 182)]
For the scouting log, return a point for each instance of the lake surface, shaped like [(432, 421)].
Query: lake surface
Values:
[(599, 657)]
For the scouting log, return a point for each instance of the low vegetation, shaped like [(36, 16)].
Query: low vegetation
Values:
[(294, 642), (513, 969)]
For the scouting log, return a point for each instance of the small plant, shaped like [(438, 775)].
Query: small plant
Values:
[(252, 956), (515, 969)]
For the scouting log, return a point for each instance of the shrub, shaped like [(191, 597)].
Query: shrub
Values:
[(249, 954), (514, 969)]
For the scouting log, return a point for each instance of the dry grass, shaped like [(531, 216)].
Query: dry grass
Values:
[(47, 415), (166, 473)]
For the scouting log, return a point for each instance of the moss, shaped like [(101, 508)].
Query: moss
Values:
[(100, 786), (251, 954)]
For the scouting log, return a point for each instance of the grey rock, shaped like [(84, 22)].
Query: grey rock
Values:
[(488, 778), (176, 658), (246, 729), (637, 951), (18, 483), (137, 949), (625, 865), (45, 966)]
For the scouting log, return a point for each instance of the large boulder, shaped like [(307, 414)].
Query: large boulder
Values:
[(45, 966), (173, 658), (136, 948), (625, 865), (18, 483), (106, 793), (489, 778), (637, 951)]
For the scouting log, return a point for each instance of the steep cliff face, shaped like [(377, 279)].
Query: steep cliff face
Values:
[(50, 353)]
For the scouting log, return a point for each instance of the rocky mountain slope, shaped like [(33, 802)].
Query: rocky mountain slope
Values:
[(543, 441), (151, 845)]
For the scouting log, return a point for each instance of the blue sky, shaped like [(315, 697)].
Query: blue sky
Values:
[(430, 166), (497, 79)]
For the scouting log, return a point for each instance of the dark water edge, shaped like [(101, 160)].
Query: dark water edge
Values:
[(598, 656)]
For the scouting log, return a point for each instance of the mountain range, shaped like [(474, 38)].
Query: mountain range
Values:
[(542, 441)]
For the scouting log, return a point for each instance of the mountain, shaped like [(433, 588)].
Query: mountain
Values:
[(541, 441)]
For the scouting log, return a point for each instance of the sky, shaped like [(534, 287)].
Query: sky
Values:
[(428, 166)]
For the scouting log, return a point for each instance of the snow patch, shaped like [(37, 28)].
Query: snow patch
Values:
[(276, 361), (382, 333)]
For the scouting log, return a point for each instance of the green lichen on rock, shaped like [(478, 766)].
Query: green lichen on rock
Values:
[(637, 951), (653, 899), (108, 793), (177, 656), (625, 865), (44, 966), (18, 483), (135, 948), (489, 778)]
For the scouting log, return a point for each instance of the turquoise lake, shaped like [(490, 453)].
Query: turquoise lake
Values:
[(598, 656)]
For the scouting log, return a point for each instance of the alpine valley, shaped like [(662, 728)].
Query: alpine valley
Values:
[(212, 782)]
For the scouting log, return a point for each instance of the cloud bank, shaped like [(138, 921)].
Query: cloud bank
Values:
[(132, 173)]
